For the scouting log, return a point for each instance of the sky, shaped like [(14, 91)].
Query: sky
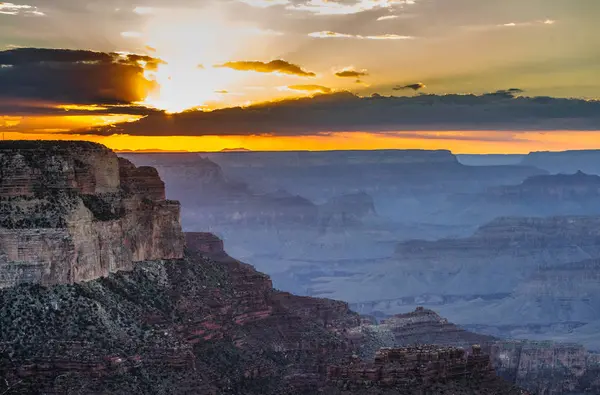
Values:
[(467, 75)]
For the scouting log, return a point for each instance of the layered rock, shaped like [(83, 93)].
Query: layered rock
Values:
[(420, 370), (73, 212), (547, 368), (33, 168), (544, 368)]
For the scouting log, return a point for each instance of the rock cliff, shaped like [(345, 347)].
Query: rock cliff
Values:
[(547, 368), (420, 370), (73, 211), (542, 367)]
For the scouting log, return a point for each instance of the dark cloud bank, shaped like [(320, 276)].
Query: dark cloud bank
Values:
[(32, 79), (340, 112)]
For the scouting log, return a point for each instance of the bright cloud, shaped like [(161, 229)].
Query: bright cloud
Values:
[(265, 3), (330, 34), (329, 7), (387, 17), (19, 9)]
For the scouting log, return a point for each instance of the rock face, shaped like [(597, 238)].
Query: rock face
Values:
[(31, 168), (544, 368), (547, 368), (73, 212), (429, 368)]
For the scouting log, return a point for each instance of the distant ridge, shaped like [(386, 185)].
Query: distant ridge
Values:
[(235, 150), (148, 151)]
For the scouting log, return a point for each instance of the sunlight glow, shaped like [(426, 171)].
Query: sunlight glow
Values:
[(191, 44)]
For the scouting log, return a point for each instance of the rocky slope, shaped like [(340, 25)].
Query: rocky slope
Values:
[(205, 324), (544, 368)]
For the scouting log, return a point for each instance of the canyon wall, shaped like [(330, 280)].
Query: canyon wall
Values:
[(74, 211)]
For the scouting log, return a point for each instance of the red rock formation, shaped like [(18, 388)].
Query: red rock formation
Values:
[(416, 368), (424, 326), (142, 181), (206, 243)]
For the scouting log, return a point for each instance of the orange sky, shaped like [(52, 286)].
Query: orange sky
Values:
[(526, 142)]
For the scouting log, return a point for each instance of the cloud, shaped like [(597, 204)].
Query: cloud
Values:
[(265, 3), (330, 34), (310, 88), (414, 87), (61, 76), (351, 73), (131, 34), (533, 23), (346, 112), (345, 7), (144, 10), (274, 66), (387, 18), (19, 9)]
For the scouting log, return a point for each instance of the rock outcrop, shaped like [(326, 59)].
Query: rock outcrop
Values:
[(547, 368), (72, 211), (542, 367), (420, 370)]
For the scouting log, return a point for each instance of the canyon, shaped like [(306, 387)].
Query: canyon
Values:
[(103, 292)]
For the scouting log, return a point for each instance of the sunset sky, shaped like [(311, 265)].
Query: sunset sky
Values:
[(147, 61)]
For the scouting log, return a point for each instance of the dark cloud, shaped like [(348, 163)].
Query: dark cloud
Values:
[(310, 88), (347, 112), (414, 87), (350, 73), (74, 76), (274, 66)]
